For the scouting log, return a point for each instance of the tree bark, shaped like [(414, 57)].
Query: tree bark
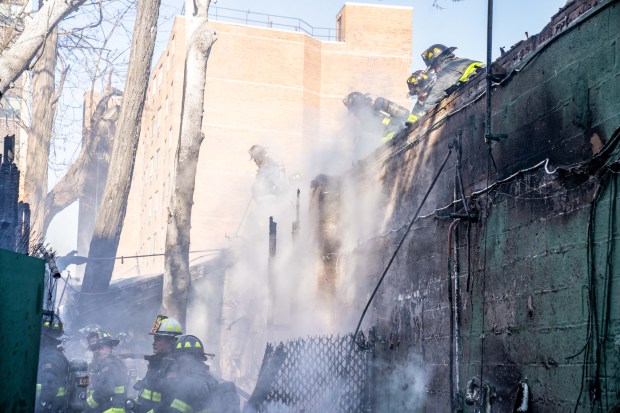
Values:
[(15, 60), (97, 139), (113, 208), (40, 134), (176, 270)]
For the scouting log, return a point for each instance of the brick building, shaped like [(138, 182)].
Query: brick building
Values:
[(282, 89)]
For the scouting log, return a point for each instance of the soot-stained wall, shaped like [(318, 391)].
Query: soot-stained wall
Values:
[(537, 289)]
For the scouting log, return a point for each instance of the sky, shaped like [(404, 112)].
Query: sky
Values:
[(460, 24)]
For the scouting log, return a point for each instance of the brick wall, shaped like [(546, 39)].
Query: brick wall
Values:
[(272, 87)]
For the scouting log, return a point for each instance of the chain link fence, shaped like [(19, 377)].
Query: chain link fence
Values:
[(315, 375)]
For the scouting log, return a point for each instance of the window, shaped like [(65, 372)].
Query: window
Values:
[(153, 85), (151, 168), (157, 160), (158, 124), (166, 107), (10, 106), (150, 206), (170, 138), (168, 62), (153, 127), (155, 202)]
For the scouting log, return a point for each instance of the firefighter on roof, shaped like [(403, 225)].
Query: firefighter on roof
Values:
[(107, 391), (51, 393), (444, 74), (382, 117), (271, 180)]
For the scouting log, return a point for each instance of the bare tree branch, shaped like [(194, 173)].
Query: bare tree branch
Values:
[(15, 60), (61, 83), (9, 34), (96, 141)]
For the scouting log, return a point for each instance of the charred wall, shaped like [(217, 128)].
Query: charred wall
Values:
[(537, 287)]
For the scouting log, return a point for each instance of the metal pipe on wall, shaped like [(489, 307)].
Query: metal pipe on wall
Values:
[(489, 73)]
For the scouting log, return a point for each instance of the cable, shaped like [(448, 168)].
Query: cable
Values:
[(402, 240), (592, 323), (126, 257), (400, 243)]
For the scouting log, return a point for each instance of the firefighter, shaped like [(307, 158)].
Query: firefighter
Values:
[(108, 380), (445, 73), (271, 180), (51, 393), (192, 388), (419, 83), (360, 104), (165, 331), (383, 117)]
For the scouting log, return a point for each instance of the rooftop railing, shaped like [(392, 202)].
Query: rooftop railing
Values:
[(272, 21)]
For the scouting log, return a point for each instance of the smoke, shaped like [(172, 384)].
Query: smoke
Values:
[(404, 385), (282, 298)]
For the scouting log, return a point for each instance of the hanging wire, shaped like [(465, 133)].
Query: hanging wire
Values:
[(402, 240), (592, 323)]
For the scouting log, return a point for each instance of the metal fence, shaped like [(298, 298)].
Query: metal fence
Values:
[(14, 215), (272, 21), (324, 374)]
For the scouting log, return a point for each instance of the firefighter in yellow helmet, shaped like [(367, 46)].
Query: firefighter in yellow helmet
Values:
[(165, 331), (107, 391), (51, 393)]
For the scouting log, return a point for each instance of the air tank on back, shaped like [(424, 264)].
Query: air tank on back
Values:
[(393, 109)]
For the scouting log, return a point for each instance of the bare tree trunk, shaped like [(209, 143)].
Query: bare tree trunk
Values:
[(176, 272), (113, 208), (40, 133), (97, 141), (15, 60)]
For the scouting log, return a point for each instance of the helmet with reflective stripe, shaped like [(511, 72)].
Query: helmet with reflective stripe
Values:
[(190, 344), (431, 54), (51, 325), (166, 326), (100, 338), (417, 82)]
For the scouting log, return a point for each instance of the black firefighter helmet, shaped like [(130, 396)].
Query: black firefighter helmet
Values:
[(418, 82), (99, 338), (188, 344), (436, 54), (357, 100), (51, 325)]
